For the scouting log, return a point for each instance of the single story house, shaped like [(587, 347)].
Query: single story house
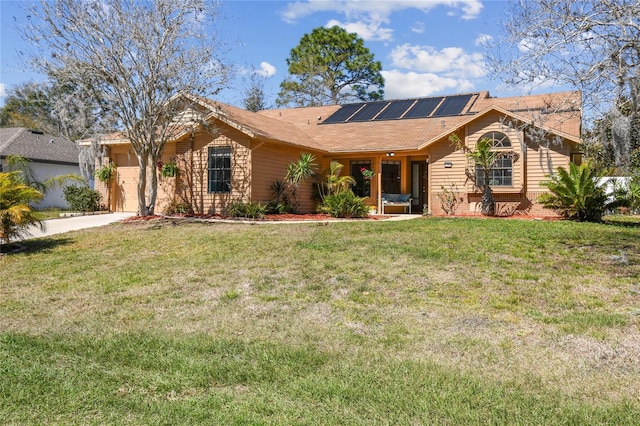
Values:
[(389, 147), (49, 156)]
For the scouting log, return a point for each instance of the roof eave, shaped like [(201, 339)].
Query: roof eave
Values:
[(572, 138)]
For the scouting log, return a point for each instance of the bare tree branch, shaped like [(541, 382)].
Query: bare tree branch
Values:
[(134, 56)]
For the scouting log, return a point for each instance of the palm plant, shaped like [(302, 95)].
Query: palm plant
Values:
[(28, 176), (334, 182), (576, 193), (634, 195), (300, 170), (484, 159), (16, 214)]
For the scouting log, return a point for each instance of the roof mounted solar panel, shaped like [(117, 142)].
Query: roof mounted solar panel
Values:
[(452, 105), (369, 111), (395, 110), (423, 107), (341, 115)]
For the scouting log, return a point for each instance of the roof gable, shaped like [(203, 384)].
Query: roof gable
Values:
[(556, 113), (401, 128)]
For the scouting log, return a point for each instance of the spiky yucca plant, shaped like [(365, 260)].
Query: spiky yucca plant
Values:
[(299, 171), (576, 193)]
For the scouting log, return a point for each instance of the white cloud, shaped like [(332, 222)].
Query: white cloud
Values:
[(3, 90), (418, 28), (483, 40), (469, 9), (266, 69), (452, 62), (365, 30), (402, 85), (526, 45)]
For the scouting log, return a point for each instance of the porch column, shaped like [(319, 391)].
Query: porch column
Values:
[(379, 186)]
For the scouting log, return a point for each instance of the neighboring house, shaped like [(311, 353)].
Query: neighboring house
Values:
[(239, 154), (49, 156)]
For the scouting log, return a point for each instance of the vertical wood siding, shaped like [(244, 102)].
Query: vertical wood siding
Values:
[(535, 163), (269, 163), (193, 163)]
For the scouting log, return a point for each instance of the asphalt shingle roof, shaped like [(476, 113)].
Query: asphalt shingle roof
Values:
[(559, 112), (303, 127), (37, 146)]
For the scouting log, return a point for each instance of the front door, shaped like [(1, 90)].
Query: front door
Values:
[(419, 182)]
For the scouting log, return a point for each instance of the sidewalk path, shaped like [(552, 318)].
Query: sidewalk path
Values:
[(62, 225)]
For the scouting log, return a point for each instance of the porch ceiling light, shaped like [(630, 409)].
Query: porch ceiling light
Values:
[(391, 154)]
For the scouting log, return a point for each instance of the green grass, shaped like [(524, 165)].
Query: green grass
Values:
[(429, 321), (51, 213)]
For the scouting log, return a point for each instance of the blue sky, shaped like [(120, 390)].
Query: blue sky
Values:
[(427, 47)]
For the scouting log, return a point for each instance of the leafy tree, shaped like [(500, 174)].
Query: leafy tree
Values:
[(592, 45), (133, 57), (16, 214), (27, 106), (56, 109), (254, 96), (61, 110), (576, 193), (331, 66), (613, 143)]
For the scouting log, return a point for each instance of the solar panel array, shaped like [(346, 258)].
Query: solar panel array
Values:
[(395, 110), (423, 108), (343, 114), (452, 105), (369, 111), (439, 106)]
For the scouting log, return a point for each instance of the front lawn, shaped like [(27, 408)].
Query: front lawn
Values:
[(428, 321)]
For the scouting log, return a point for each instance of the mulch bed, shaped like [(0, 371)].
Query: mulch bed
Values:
[(290, 217), (268, 218)]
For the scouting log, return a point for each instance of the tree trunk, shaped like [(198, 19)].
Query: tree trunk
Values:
[(153, 188), (488, 202), (142, 185)]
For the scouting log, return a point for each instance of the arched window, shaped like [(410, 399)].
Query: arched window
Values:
[(498, 139), (501, 174)]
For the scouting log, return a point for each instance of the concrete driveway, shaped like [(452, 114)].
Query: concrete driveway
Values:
[(62, 225)]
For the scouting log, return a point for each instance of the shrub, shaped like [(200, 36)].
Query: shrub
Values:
[(82, 198), (250, 209), (281, 202), (449, 199), (344, 204), (575, 193), (278, 208)]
